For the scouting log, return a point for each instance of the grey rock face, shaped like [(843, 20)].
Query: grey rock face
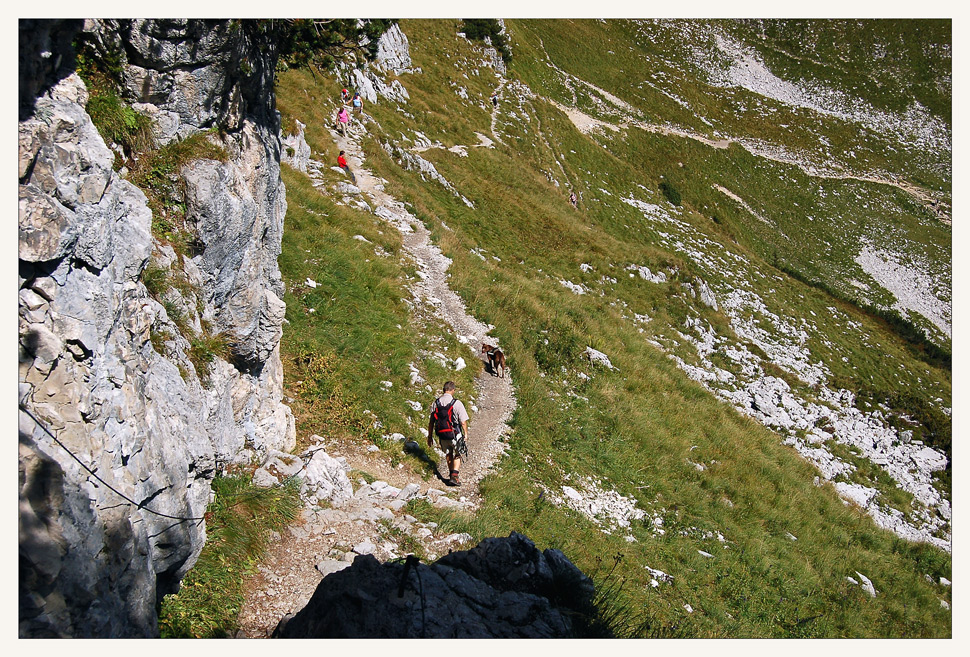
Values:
[(238, 207), (393, 53), (207, 72), (495, 58), (44, 49), (370, 86), (296, 152), (93, 563), (502, 588)]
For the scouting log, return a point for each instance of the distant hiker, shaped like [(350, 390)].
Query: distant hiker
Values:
[(342, 163), (449, 421), (495, 99), (358, 103), (344, 96), (572, 197), (343, 118)]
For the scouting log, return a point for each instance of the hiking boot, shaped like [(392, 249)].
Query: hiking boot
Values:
[(454, 481)]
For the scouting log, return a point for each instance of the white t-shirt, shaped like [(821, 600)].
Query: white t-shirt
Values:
[(458, 408)]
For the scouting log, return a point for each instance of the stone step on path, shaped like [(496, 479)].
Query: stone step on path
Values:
[(332, 532)]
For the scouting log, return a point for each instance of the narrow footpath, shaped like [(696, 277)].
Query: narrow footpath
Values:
[(323, 541)]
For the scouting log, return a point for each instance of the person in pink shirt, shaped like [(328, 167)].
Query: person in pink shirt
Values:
[(343, 118)]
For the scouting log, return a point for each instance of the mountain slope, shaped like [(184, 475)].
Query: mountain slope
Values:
[(757, 412)]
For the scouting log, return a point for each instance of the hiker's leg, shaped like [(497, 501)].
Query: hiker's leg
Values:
[(456, 462)]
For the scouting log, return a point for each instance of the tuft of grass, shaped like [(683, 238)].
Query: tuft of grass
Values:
[(238, 523), (118, 123), (155, 279), (205, 348), (158, 337), (158, 174), (407, 543)]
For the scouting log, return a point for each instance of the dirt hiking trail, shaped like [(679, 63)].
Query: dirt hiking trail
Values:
[(323, 540)]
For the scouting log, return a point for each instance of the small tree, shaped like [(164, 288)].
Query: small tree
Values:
[(670, 192), (487, 30)]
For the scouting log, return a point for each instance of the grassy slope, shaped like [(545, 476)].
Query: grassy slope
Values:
[(633, 429), (841, 210)]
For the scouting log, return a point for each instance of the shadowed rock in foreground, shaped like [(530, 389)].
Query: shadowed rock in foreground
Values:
[(503, 588)]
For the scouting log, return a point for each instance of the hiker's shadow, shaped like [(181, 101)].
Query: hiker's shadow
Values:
[(412, 447)]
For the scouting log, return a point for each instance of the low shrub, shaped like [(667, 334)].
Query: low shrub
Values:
[(670, 192), (118, 123), (482, 29)]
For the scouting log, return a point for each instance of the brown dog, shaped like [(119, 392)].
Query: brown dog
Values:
[(496, 358)]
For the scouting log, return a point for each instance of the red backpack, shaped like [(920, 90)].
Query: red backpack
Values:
[(445, 423)]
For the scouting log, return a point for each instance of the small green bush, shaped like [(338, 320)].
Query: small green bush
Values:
[(155, 279), (480, 29), (204, 349), (670, 192), (118, 123)]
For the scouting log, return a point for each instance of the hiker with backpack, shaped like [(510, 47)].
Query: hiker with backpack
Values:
[(449, 421), (358, 103)]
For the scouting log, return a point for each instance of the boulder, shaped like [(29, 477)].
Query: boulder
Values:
[(324, 479)]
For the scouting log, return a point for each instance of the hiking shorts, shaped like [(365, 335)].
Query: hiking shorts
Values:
[(457, 446), (447, 444)]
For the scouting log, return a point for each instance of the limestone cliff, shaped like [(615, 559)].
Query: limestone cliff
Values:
[(126, 403)]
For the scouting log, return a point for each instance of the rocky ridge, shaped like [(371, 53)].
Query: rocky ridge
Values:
[(94, 563), (502, 588)]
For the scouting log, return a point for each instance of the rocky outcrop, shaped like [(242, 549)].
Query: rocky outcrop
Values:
[(296, 152), (503, 588), (393, 52), (191, 75), (111, 511), (393, 57)]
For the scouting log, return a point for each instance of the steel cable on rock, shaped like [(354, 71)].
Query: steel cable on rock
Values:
[(92, 473)]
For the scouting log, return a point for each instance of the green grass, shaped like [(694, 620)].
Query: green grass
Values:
[(636, 428), (355, 330), (118, 123), (205, 348), (238, 523)]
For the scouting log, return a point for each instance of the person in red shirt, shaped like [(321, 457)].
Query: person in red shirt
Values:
[(342, 163)]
